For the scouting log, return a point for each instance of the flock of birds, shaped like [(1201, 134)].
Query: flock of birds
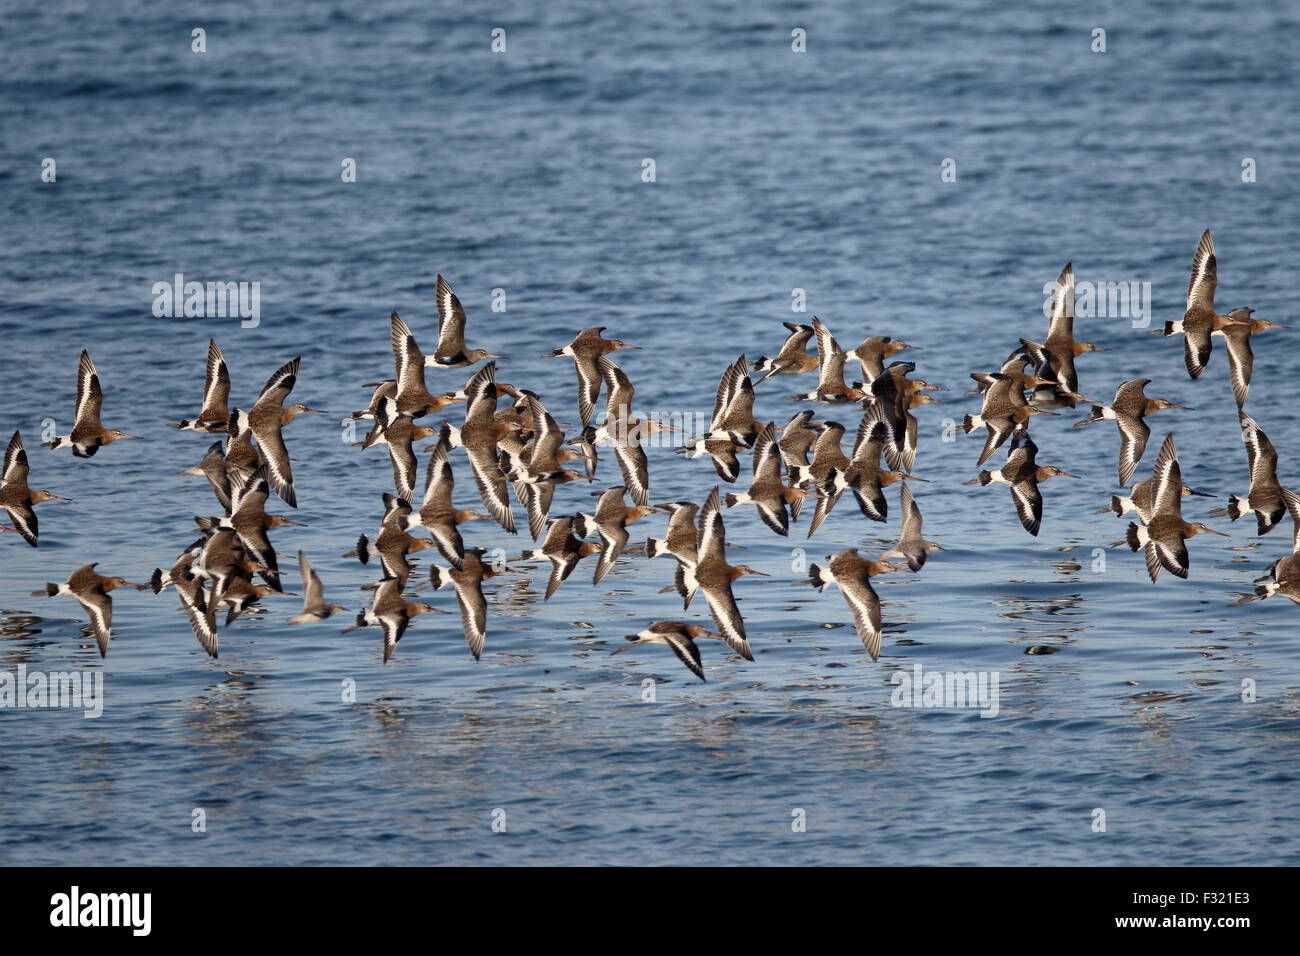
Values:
[(514, 445)]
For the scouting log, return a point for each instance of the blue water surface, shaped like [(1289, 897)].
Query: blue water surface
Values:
[(523, 171)]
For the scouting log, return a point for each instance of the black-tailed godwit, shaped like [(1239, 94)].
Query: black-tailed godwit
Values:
[(213, 417), (314, 607), (610, 521), (852, 573), (1241, 358), (1127, 411), (677, 636), (451, 351), (1023, 473), (911, 545), (16, 497), (562, 550), (91, 590), (792, 359), (267, 417), (587, 346), (468, 582), (479, 436), (1164, 537), (768, 492), (714, 576), (88, 435), (391, 613), (1265, 496)]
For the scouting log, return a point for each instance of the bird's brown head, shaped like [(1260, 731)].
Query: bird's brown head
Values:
[(274, 521), (111, 583), (615, 345), (1051, 471), (1027, 410), (39, 496), (478, 355), (298, 408), (114, 434), (740, 570), (1161, 403), (589, 547), (1199, 528), (880, 567)]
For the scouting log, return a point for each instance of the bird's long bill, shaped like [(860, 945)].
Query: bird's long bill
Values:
[(131, 436), (761, 574), (935, 388), (1066, 474), (906, 477), (1186, 408), (58, 498), (315, 411), (1199, 494), (634, 642), (1219, 533)]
